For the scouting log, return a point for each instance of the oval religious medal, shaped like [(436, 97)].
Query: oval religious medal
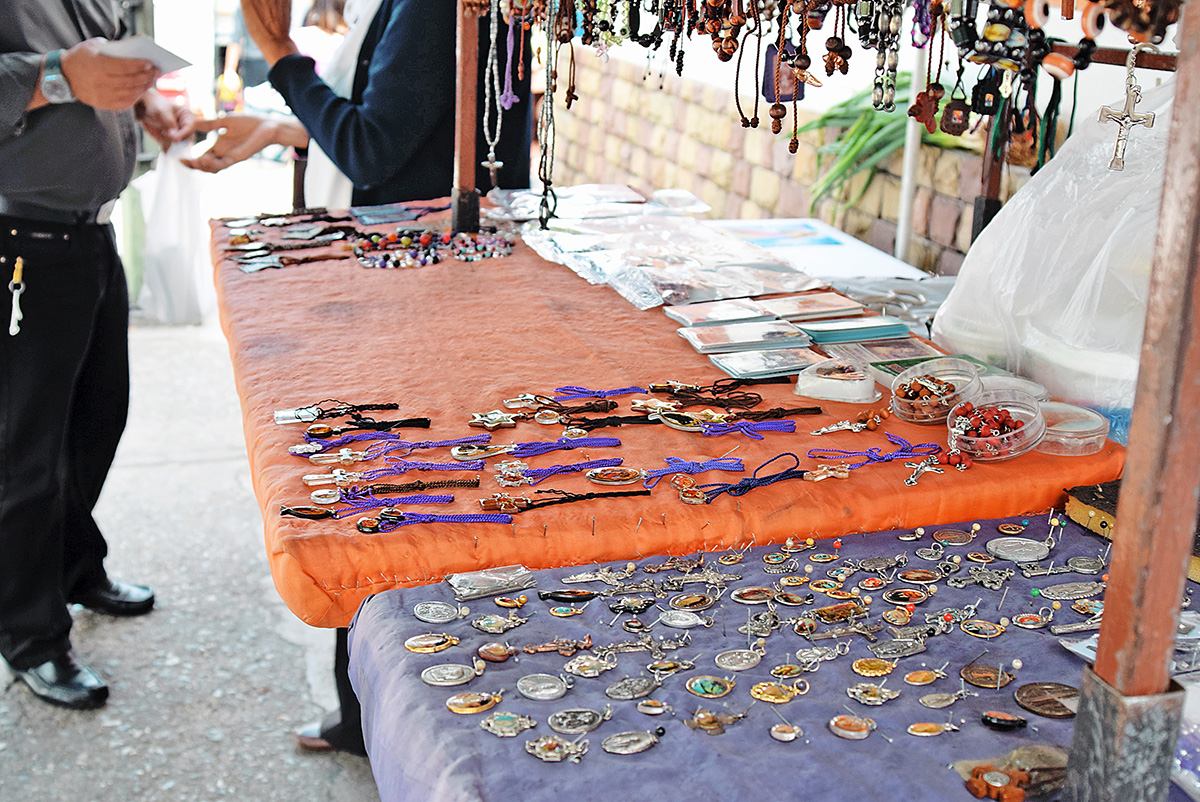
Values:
[(785, 733), (982, 676), (953, 537), (633, 687), (614, 476), (1017, 549), (1036, 620), (897, 616), (738, 659), (665, 667), (436, 612), (787, 671), (543, 687), (792, 599), (1086, 565), (872, 583), (852, 728), (822, 557), (979, 628), (629, 743), (792, 581), (872, 667), (427, 644), (730, 559), (495, 652), (506, 725), (451, 674), (709, 687), (903, 596), (475, 702), (980, 557), (775, 558), (937, 701), (653, 707), (565, 611), (752, 595), (824, 585), (682, 619), (921, 677), (1000, 720), (511, 603), (693, 602), (925, 729), (919, 576), (840, 595), (804, 625), (579, 720)]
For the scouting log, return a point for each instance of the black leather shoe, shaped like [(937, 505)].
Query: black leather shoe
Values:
[(64, 681), (117, 598)]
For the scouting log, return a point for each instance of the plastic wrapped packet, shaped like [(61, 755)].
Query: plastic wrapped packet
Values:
[(1055, 287), (490, 582)]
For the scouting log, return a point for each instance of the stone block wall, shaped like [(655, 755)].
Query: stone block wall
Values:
[(627, 130)]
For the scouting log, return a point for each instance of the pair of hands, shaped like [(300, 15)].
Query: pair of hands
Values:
[(113, 84), (243, 135)]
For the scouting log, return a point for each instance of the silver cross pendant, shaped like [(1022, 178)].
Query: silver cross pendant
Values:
[(1126, 118)]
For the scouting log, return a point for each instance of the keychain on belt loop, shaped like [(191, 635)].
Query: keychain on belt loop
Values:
[(16, 287)]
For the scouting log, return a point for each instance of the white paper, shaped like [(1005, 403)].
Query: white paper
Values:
[(143, 47)]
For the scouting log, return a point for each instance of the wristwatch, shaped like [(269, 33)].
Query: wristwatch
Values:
[(54, 83)]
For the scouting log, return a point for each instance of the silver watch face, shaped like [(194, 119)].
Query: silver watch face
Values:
[(56, 89)]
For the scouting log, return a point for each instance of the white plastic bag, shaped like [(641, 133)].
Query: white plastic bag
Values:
[(176, 277), (1055, 287)]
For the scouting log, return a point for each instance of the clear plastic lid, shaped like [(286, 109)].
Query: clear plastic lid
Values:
[(999, 382), (1071, 430)]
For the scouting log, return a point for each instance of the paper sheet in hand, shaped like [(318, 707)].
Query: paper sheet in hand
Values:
[(143, 47)]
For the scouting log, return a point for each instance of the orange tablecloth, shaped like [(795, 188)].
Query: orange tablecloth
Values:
[(456, 338)]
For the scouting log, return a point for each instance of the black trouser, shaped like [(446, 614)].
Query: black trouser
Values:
[(343, 727), (64, 396)]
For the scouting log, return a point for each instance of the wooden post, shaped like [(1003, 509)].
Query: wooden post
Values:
[(464, 200), (1157, 512)]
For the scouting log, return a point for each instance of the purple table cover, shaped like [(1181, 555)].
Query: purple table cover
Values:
[(421, 751)]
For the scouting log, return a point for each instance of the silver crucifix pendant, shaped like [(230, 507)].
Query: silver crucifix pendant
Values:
[(1126, 118)]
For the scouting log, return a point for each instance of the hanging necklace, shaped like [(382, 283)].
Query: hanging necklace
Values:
[(491, 95)]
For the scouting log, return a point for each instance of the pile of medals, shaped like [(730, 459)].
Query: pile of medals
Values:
[(876, 614)]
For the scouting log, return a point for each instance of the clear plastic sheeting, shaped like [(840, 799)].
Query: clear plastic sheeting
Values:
[(915, 301), (1055, 287), (655, 259)]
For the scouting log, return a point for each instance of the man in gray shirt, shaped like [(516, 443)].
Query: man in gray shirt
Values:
[(68, 147)]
